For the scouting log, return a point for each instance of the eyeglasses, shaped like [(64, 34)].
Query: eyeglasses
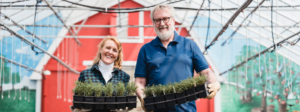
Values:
[(165, 20)]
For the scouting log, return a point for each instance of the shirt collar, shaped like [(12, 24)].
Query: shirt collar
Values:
[(96, 67), (157, 42), (115, 70)]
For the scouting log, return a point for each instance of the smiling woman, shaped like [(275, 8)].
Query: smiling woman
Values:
[(110, 52), (107, 66)]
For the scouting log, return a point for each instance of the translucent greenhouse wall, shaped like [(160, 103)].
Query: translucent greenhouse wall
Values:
[(18, 91)]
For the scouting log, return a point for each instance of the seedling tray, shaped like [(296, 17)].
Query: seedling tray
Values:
[(79, 99), (129, 100), (180, 98), (97, 104)]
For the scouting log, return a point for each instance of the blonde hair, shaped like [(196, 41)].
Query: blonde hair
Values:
[(119, 60)]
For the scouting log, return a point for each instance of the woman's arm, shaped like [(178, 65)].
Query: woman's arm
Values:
[(127, 78), (81, 77)]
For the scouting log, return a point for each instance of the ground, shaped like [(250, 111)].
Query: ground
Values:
[(17, 105)]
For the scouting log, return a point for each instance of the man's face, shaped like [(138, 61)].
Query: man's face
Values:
[(163, 24)]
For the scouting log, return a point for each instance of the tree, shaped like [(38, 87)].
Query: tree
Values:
[(6, 75), (280, 79)]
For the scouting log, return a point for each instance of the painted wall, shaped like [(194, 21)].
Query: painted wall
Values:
[(235, 51), (18, 91)]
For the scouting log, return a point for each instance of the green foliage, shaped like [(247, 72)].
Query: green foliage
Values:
[(109, 89), (158, 90), (179, 87), (200, 80), (188, 83), (262, 73), (79, 88), (148, 91), (89, 88), (99, 89), (120, 88), (131, 88), (168, 88), (8, 76)]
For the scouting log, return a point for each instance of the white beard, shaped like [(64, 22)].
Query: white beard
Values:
[(165, 35)]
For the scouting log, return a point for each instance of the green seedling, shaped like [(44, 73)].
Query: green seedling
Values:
[(131, 88), (120, 88), (109, 89), (99, 88)]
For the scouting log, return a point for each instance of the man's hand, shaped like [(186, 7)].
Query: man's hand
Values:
[(142, 104), (141, 84), (79, 110), (213, 84), (213, 88)]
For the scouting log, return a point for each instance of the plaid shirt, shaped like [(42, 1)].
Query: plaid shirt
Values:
[(96, 76)]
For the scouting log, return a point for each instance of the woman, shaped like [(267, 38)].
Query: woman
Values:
[(106, 67)]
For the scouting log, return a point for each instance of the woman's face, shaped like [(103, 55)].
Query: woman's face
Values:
[(109, 52)]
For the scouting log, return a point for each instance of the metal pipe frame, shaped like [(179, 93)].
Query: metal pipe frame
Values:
[(44, 7), (195, 18), (260, 53), (281, 53), (19, 64), (24, 28), (69, 30), (25, 8), (29, 42), (257, 7), (268, 29), (295, 8), (83, 22), (132, 37), (232, 18), (262, 35), (277, 23), (177, 26)]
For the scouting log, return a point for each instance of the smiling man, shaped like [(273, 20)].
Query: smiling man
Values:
[(170, 58)]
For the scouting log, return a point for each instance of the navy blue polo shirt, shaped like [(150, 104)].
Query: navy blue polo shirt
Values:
[(160, 65)]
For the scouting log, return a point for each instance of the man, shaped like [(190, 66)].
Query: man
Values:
[(170, 58)]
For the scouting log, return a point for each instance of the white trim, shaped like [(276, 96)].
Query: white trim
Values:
[(87, 63), (129, 63), (141, 22), (38, 96)]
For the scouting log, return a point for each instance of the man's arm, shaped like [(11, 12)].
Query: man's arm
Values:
[(141, 84), (211, 77), (213, 83)]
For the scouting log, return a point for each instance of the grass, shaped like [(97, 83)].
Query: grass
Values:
[(17, 105), (230, 101)]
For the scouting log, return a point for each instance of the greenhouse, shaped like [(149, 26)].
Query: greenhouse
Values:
[(56, 54)]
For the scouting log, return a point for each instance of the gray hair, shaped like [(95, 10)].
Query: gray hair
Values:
[(164, 7)]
